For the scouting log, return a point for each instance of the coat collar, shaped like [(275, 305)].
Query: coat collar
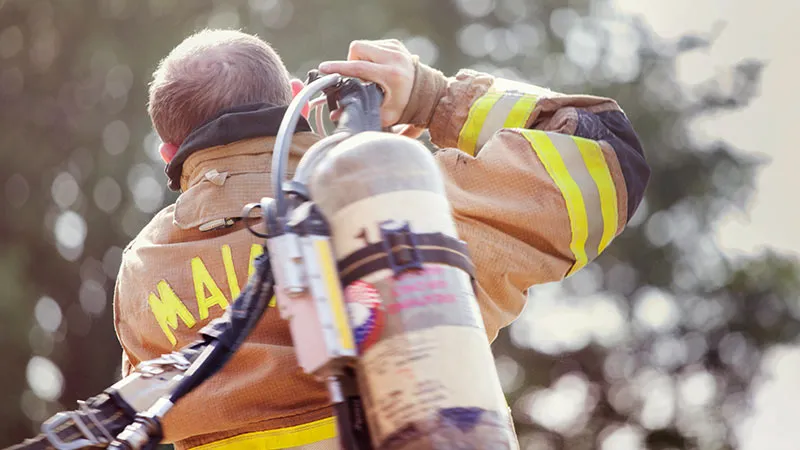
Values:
[(231, 125), (253, 155)]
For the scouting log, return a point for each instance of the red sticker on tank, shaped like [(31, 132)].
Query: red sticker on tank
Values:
[(421, 288), (366, 315)]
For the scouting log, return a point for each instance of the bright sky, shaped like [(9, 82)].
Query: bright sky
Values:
[(768, 31), (768, 125)]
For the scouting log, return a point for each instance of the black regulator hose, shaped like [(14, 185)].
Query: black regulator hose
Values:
[(230, 331)]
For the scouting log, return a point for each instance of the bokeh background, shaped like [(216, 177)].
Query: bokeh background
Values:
[(681, 336)]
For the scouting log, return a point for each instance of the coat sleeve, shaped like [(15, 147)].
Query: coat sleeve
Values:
[(540, 182), (128, 362)]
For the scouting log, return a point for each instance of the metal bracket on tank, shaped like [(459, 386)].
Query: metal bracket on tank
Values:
[(395, 234)]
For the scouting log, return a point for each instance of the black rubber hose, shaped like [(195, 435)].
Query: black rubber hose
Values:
[(228, 332)]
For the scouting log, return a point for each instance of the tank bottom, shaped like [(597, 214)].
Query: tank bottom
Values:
[(455, 429)]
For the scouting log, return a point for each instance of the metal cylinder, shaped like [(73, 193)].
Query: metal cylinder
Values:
[(426, 371)]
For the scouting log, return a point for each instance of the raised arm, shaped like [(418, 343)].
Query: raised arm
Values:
[(540, 182)]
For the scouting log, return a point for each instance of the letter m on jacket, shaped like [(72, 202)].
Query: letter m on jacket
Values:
[(167, 308)]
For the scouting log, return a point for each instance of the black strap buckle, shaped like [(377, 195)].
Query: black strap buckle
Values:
[(406, 257)]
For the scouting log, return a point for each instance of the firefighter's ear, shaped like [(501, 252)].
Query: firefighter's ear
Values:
[(168, 151), (298, 86)]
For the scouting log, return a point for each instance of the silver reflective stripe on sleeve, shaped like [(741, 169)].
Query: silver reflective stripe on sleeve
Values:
[(579, 170), (490, 113), (497, 117)]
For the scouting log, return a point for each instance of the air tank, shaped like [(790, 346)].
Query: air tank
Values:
[(426, 371)]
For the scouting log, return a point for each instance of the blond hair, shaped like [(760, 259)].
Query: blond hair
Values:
[(210, 71)]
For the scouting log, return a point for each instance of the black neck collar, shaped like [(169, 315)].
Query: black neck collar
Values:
[(230, 125)]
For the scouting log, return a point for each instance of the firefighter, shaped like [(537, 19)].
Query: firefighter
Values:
[(540, 183)]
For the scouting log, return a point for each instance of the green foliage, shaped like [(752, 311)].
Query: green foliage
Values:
[(81, 176)]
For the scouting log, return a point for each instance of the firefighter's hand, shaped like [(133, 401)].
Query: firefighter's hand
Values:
[(385, 62)]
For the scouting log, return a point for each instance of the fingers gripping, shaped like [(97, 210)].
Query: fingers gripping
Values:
[(381, 52), (385, 62)]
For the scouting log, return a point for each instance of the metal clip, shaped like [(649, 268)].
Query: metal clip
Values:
[(395, 234), (218, 224)]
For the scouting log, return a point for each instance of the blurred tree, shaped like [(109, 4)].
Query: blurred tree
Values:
[(656, 344)]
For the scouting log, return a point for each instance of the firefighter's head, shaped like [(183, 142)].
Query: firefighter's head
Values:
[(210, 71)]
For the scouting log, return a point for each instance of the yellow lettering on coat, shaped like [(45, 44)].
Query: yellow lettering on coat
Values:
[(230, 271), (167, 307), (255, 251), (202, 283)]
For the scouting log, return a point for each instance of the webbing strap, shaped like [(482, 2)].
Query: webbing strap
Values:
[(429, 247)]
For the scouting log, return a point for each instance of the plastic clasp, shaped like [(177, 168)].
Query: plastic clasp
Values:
[(395, 234)]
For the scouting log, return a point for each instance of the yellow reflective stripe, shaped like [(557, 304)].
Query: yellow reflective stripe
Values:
[(576, 209), (511, 110), (468, 137), (521, 112), (598, 169), (489, 114), (496, 117), (573, 160), (332, 284), (281, 438)]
